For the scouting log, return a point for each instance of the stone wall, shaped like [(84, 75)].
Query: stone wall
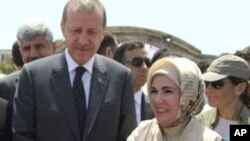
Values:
[(160, 40)]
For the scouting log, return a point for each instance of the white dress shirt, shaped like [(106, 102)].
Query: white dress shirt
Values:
[(137, 97), (86, 78)]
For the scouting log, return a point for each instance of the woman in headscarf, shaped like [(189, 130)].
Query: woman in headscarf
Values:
[(227, 91), (175, 89)]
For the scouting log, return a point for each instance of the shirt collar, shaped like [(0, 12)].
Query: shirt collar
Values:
[(72, 64)]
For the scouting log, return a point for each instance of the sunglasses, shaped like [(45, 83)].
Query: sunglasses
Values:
[(138, 61), (216, 84)]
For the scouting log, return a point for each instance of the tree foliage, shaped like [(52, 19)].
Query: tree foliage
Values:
[(7, 66)]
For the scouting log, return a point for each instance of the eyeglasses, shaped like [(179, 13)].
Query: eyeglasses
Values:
[(138, 61), (216, 84)]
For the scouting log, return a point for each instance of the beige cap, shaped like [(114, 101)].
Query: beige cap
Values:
[(227, 65)]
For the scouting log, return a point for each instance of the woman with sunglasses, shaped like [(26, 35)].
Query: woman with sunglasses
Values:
[(175, 90), (227, 91)]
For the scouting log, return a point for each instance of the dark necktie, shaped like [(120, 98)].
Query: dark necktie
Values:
[(142, 108), (79, 97)]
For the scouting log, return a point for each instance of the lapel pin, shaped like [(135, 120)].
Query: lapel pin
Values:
[(100, 81)]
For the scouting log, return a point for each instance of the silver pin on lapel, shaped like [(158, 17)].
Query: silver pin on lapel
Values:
[(100, 81)]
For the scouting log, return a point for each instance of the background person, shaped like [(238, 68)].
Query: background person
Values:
[(227, 91), (134, 55), (163, 52), (34, 41), (244, 53), (72, 95), (108, 46), (175, 89), (16, 56)]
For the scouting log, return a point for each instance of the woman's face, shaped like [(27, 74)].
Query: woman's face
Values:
[(222, 93), (165, 99)]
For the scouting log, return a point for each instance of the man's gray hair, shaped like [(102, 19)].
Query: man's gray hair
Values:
[(32, 28), (86, 6)]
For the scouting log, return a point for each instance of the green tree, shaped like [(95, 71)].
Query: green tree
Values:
[(7, 67)]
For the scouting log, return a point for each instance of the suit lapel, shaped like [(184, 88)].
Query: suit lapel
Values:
[(99, 83), (61, 86)]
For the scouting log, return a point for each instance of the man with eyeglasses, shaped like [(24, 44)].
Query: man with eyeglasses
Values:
[(134, 56)]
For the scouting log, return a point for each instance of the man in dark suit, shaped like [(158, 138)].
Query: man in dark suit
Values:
[(3, 111), (46, 107), (34, 41), (133, 55)]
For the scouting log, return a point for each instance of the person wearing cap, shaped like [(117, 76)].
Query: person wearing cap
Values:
[(227, 91), (175, 89)]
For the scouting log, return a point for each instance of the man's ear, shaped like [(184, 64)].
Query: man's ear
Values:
[(62, 25), (108, 52)]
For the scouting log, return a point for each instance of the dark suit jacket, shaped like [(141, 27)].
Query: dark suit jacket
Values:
[(44, 107), (7, 91), (3, 113), (8, 86), (146, 111)]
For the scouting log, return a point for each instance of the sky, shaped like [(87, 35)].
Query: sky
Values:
[(212, 26)]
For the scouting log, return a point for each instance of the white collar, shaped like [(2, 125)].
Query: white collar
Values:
[(72, 64)]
